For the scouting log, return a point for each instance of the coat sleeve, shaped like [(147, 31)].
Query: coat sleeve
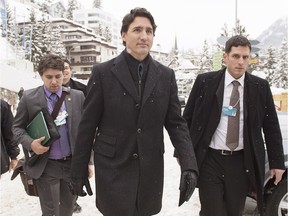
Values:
[(177, 129), (91, 116), (6, 131), (272, 133)]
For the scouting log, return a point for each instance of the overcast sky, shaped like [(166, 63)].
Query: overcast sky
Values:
[(193, 21)]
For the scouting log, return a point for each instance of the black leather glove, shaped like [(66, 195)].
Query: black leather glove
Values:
[(76, 187), (188, 183)]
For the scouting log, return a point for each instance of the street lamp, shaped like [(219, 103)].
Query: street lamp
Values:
[(236, 17)]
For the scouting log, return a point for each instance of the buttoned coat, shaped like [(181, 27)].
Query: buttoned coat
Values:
[(129, 145), (32, 102), (203, 113)]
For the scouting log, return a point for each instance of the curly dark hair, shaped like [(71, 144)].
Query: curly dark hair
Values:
[(235, 41), (50, 61), (136, 12)]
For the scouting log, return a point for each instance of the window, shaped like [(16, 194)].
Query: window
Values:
[(86, 59), (87, 47)]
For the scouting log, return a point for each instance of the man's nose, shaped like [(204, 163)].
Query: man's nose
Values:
[(54, 80), (143, 35)]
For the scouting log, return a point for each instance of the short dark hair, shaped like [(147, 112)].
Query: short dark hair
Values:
[(136, 12), (235, 41), (67, 61), (50, 61)]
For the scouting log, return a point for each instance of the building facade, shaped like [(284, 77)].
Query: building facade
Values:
[(84, 48), (102, 23)]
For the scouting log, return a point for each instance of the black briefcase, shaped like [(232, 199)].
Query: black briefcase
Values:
[(53, 132)]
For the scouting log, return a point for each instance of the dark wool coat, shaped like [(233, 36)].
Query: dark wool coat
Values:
[(129, 145), (9, 145), (203, 113)]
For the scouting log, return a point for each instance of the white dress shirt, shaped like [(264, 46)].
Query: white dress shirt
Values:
[(219, 138)]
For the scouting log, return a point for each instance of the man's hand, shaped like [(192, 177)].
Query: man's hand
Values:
[(76, 187), (90, 171), (188, 183), (13, 164), (278, 175), (37, 147)]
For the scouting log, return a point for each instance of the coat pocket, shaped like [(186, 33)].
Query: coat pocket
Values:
[(105, 145)]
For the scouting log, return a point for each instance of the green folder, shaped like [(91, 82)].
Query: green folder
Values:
[(38, 128)]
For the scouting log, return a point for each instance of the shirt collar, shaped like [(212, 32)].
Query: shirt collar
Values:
[(229, 78), (48, 93)]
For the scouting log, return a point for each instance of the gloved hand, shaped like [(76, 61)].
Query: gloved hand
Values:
[(188, 183), (76, 187)]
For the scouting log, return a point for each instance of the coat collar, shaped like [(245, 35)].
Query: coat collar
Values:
[(121, 70)]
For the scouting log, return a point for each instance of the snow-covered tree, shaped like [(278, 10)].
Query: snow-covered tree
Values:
[(107, 34), (56, 45), (32, 16), (206, 63), (11, 28), (72, 5), (240, 29), (225, 31), (39, 46), (97, 4), (44, 8), (281, 77), (99, 30), (269, 65)]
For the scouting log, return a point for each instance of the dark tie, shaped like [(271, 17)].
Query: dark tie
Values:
[(53, 99), (232, 138), (140, 70)]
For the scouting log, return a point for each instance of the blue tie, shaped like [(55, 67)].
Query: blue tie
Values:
[(53, 99)]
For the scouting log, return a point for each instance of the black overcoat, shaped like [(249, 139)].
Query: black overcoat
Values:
[(129, 143), (203, 113)]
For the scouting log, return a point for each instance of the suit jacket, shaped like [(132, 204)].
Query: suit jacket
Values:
[(203, 113), (129, 144), (33, 101)]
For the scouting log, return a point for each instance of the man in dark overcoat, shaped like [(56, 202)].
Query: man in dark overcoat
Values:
[(226, 175), (130, 99)]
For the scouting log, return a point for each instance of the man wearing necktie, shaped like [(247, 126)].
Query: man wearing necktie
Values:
[(226, 113), (52, 169)]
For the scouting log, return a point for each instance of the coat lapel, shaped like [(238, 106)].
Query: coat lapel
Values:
[(151, 80), (41, 97), (220, 90), (121, 71), (251, 89)]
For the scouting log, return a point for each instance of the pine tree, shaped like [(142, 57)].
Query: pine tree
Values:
[(240, 30), (269, 66), (99, 30), (281, 77), (56, 45), (97, 4), (205, 60), (107, 34), (32, 16), (39, 41), (10, 27), (72, 5), (44, 8)]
